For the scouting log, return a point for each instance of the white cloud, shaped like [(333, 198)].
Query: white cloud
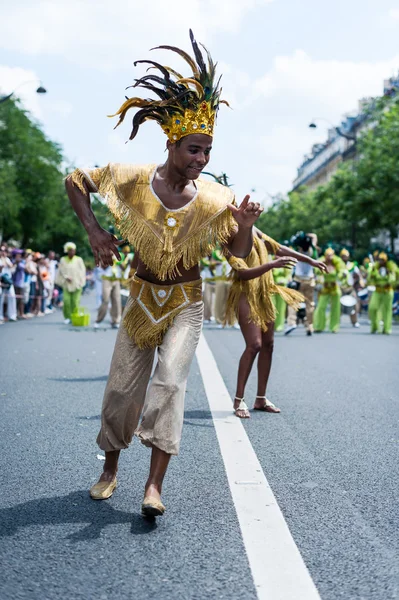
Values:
[(62, 108), (394, 14), (105, 35), (297, 89), (333, 86)]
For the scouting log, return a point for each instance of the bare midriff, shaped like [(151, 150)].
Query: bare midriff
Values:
[(185, 276)]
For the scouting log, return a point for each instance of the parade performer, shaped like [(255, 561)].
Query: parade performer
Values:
[(251, 303), (222, 287), (304, 277), (111, 290), (172, 219), (383, 276), (354, 284), (330, 292), (281, 277), (71, 277), (207, 272)]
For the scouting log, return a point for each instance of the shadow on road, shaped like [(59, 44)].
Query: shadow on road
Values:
[(197, 414), (76, 507), (90, 418), (78, 379)]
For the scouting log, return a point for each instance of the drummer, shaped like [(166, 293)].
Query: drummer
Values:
[(383, 276), (330, 293), (351, 285)]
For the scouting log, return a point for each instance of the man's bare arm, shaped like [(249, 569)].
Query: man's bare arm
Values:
[(102, 242)]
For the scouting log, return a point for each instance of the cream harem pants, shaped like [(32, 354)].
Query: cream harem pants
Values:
[(126, 395)]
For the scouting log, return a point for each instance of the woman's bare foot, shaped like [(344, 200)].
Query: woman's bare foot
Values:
[(264, 405), (241, 410)]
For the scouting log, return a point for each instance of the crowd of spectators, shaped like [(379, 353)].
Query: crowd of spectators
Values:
[(27, 283)]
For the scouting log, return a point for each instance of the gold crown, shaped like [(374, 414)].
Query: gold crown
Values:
[(201, 120)]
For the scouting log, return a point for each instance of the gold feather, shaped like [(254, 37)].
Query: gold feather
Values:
[(189, 81), (184, 55)]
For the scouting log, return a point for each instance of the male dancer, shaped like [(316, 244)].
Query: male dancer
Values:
[(172, 221)]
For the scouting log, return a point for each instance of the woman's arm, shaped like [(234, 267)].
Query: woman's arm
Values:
[(284, 262), (317, 264)]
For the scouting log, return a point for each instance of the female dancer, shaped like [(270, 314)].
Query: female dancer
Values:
[(250, 302)]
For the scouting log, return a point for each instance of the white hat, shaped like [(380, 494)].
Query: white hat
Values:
[(69, 246)]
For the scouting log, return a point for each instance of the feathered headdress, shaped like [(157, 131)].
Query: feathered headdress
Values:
[(185, 105)]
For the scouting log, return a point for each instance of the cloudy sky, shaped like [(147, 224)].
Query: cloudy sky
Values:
[(284, 62)]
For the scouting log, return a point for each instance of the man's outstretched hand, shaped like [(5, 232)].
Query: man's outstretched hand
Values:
[(247, 213), (104, 246)]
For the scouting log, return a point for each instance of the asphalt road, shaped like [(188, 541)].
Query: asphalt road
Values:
[(331, 458)]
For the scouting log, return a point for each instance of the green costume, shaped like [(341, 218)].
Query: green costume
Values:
[(71, 277), (330, 293), (281, 277), (383, 277)]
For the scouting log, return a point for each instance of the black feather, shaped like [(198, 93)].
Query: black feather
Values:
[(198, 54)]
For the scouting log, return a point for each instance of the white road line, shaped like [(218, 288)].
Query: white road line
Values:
[(277, 567)]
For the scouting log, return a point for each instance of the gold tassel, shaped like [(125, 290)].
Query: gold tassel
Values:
[(164, 260), (142, 330), (77, 178), (259, 291)]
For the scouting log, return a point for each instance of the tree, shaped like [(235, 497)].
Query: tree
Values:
[(361, 199), (34, 207)]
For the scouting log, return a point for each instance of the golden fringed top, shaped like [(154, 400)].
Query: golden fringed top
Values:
[(162, 237), (258, 291)]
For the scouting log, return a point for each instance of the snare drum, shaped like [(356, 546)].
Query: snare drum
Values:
[(348, 304)]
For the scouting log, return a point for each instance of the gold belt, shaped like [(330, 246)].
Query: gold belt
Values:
[(159, 301), (382, 290), (155, 307)]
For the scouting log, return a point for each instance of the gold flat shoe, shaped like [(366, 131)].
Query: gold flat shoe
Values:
[(152, 507), (103, 490)]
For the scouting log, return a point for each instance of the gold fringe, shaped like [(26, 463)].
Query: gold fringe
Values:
[(77, 178), (258, 291), (145, 333), (163, 259), (150, 315), (126, 190), (164, 263)]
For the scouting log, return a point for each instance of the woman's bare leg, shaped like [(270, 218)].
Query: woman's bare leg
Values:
[(264, 367), (253, 343)]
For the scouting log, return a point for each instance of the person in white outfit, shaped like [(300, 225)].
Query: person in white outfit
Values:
[(7, 293)]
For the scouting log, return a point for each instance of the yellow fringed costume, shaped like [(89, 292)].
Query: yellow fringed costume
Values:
[(258, 291), (161, 237)]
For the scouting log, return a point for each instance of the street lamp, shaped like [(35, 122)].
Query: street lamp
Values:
[(339, 131), (40, 90)]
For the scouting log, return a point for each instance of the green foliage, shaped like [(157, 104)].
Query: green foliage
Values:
[(34, 207), (361, 199)]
